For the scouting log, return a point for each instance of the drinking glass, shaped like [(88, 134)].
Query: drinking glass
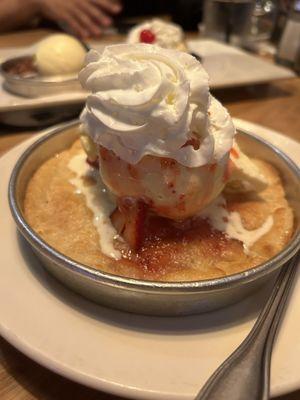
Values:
[(228, 20)]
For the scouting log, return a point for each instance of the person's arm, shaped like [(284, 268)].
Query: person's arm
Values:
[(83, 17), (16, 13)]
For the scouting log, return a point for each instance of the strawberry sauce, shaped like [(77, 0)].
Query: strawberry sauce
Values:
[(165, 241)]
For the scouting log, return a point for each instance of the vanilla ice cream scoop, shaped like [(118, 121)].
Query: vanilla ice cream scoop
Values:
[(158, 32), (59, 54)]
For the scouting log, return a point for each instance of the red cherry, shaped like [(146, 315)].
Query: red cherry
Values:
[(147, 36)]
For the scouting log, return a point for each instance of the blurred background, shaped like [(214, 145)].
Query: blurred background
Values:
[(241, 43), (247, 23), (250, 49)]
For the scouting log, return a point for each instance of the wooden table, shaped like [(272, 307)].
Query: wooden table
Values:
[(276, 106)]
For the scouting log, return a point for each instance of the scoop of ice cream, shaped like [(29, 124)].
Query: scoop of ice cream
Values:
[(169, 189), (59, 54), (172, 189), (245, 175), (161, 33)]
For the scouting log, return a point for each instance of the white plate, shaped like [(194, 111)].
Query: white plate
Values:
[(229, 66), (226, 65), (129, 355), (12, 102)]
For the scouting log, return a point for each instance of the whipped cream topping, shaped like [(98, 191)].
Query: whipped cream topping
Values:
[(167, 35), (98, 200), (231, 223), (146, 100)]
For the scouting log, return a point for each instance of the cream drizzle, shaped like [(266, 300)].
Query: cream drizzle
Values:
[(231, 223), (98, 201)]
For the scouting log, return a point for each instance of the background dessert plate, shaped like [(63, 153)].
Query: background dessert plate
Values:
[(226, 65), (229, 66), (126, 354), (37, 111)]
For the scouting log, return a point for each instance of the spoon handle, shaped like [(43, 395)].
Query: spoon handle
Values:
[(245, 374)]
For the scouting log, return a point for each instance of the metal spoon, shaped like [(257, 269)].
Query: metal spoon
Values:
[(245, 374)]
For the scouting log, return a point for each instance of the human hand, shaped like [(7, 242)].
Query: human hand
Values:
[(85, 18)]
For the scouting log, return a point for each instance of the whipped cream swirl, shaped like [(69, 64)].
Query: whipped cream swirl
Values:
[(146, 100), (167, 35)]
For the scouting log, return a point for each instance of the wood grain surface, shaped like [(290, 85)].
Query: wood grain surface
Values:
[(276, 106)]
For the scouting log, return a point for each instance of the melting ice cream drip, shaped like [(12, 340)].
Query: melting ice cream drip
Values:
[(98, 201), (231, 223)]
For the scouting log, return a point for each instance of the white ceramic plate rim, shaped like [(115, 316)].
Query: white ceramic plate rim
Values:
[(44, 354)]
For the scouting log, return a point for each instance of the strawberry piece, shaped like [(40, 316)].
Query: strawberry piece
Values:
[(129, 220), (147, 36), (93, 163), (118, 220), (234, 153)]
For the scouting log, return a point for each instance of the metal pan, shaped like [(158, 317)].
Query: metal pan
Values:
[(149, 297)]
